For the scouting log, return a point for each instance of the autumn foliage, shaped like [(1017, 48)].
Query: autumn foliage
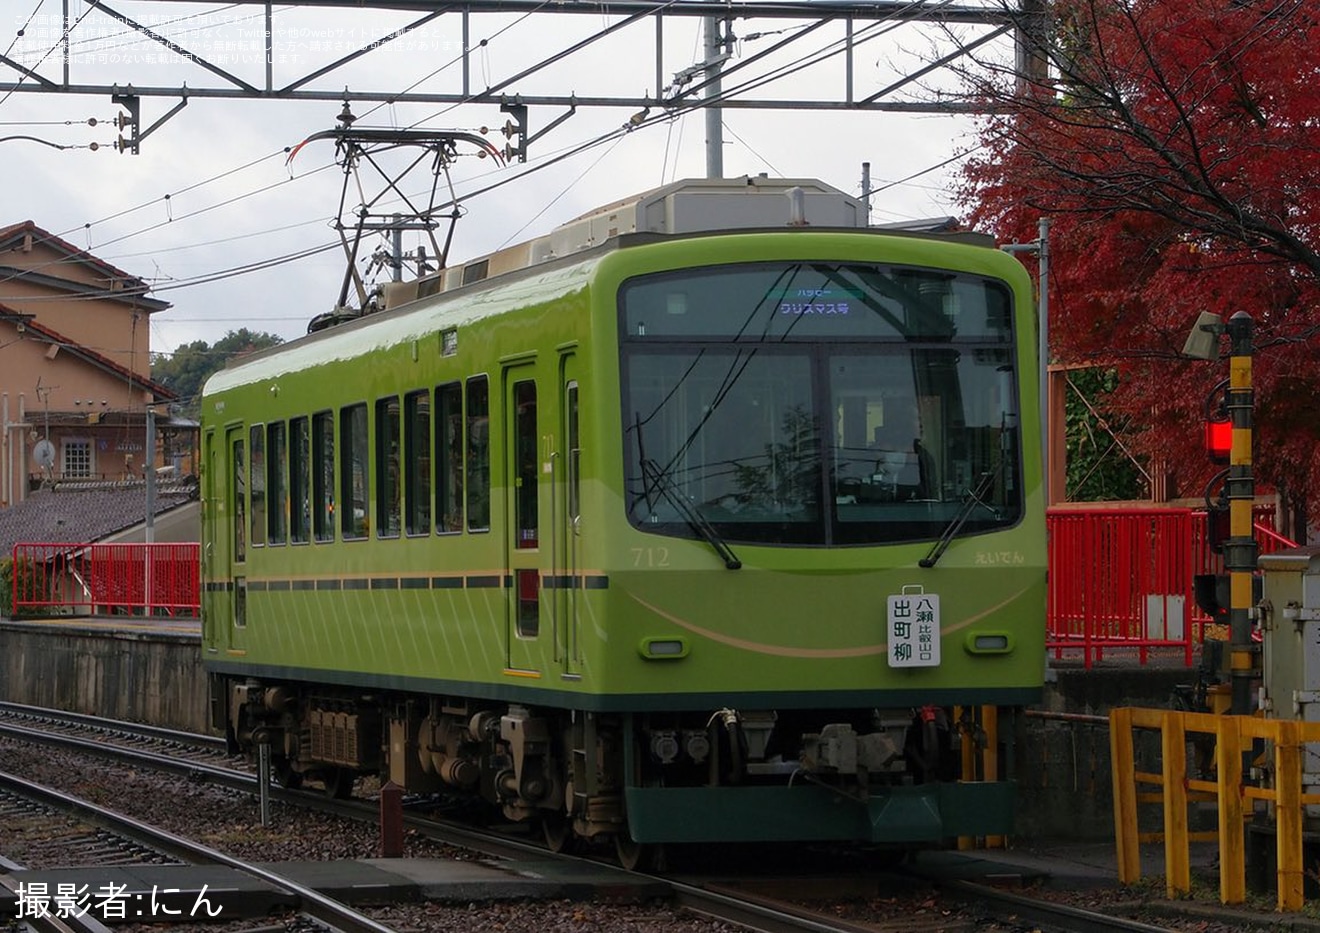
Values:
[(1175, 147)]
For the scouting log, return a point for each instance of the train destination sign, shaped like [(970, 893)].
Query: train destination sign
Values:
[(914, 629)]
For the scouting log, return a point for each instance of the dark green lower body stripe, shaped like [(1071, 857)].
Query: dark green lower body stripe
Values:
[(928, 813), (545, 692)]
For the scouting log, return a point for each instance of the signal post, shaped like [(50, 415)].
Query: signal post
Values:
[(1240, 550), (1228, 436)]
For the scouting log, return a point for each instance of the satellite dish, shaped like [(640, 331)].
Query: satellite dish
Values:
[(44, 454)]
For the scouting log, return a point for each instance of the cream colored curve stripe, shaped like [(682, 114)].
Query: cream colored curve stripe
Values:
[(787, 651)]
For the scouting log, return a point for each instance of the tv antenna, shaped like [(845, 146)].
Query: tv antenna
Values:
[(43, 452)]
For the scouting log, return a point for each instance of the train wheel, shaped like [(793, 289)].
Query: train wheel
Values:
[(557, 828), (636, 856), (338, 782)]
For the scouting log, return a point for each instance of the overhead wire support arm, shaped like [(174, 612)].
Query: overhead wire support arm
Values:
[(517, 126), (133, 104), (939, 63)]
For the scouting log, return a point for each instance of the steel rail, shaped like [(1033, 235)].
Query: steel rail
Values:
[(758, 914), (1049, 915), (235, 780), (313, 902), (496, 845), (53, 923), (142, 730)]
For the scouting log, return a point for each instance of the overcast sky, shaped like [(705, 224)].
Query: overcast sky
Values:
[(211, 190)]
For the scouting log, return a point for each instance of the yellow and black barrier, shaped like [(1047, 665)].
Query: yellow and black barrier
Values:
[(1236, 800), (980, 760)]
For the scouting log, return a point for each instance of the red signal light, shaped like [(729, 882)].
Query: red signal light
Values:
[(1219, 440)]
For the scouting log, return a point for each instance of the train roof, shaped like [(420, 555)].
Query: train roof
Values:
[(690, 207), (686, 207)]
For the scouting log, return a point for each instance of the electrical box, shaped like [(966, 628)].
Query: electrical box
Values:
[(1290, 629)]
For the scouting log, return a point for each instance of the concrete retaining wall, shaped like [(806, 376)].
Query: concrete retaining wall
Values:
[(1065, 786), (151, 676), (140, 676)]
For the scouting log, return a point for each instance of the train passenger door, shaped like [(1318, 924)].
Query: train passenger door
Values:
[(231, 568), (566, 572), (522, 468), (214, 480)]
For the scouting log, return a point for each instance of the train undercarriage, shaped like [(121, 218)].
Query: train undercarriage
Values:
[(639, 779)]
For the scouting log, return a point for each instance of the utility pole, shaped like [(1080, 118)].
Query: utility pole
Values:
[(149, 529), (396, 248), (149, 474), (866, 192), (714, 115)]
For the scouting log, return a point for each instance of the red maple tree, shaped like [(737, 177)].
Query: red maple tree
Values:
[(1175, 146)]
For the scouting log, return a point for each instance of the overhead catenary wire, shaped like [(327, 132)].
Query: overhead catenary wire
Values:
[(161, 27), (671, 116), (801, 62), (23, 77), (551, 203), (602, 139), (483, 43), (279, 153), (221, 175), (562, 156), (119, 293)]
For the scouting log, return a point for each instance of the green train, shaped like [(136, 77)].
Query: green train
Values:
[(714, 515)]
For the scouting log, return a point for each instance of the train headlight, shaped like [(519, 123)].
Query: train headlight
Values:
[(663, 649)]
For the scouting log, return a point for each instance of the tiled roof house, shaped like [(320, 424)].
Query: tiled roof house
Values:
[(75, 386)]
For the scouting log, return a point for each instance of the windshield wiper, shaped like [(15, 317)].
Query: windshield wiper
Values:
[(974, 497), (693, 516)]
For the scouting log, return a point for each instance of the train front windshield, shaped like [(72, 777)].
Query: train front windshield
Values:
[(816, 403)]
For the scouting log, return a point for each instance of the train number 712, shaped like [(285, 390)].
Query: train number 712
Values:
[(650, 556)]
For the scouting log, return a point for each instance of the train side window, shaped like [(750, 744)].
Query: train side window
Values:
[(478, 454), (387, 467), (449, 458), (240, 603), (300, 502), (240, 502), (277, 490), (323, 475), (417, 462), (354, 452), (525, 439), (257, 465)]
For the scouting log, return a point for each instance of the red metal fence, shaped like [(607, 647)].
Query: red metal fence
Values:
[(1119, 578), (92, 579), (1122, 578)]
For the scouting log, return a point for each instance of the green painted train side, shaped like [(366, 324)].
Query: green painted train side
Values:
[(434, 613)]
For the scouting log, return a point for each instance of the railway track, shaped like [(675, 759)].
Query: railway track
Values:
[(312, 903), (28, 823), (725, 902), (131, 733)]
